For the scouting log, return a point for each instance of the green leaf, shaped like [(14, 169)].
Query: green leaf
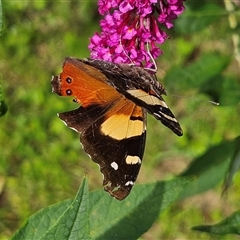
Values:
[(1, 17), (196, 17), (3, 108), (225, 90), (198, 73), (229, 225), (234, 166), (230, 94), (208, 169), (65, 220), (106, 217), (214, 88), (3, 105), (130, 218)]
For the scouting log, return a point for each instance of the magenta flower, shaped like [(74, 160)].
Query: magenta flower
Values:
[(132, 30)]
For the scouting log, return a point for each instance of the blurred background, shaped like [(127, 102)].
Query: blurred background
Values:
[(41, 160)]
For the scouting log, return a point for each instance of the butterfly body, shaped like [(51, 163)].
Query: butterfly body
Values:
[(114, 100)]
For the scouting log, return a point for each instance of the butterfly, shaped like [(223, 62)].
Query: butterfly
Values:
[(114, 100)]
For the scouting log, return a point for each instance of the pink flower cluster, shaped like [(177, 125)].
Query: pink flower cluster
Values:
[(131, 30)]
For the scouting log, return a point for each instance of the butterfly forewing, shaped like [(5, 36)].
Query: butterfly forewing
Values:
[(139, 86)]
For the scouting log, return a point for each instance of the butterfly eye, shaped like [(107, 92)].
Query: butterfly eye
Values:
[(69, 92), (68, 80)]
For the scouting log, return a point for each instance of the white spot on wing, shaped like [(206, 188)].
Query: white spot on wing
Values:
[(114, 165), (129, 183)]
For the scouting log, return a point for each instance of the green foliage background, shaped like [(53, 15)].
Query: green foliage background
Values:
[(41, 161)]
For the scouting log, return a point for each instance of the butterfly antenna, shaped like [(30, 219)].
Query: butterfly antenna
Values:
[(120, 42), (194, 98), (154, 70)]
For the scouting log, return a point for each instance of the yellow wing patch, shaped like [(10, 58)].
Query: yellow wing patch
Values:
[(120, 126), (125, 120)]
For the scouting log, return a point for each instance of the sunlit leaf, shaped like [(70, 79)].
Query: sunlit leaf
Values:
[(65, 220)]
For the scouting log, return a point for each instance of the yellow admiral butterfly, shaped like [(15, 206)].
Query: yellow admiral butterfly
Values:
[(114, 100)]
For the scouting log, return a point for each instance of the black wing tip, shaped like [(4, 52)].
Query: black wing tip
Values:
[(179, 132), (119, 192)]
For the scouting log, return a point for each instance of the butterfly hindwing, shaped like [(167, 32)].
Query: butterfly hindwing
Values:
[(117, 145)]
